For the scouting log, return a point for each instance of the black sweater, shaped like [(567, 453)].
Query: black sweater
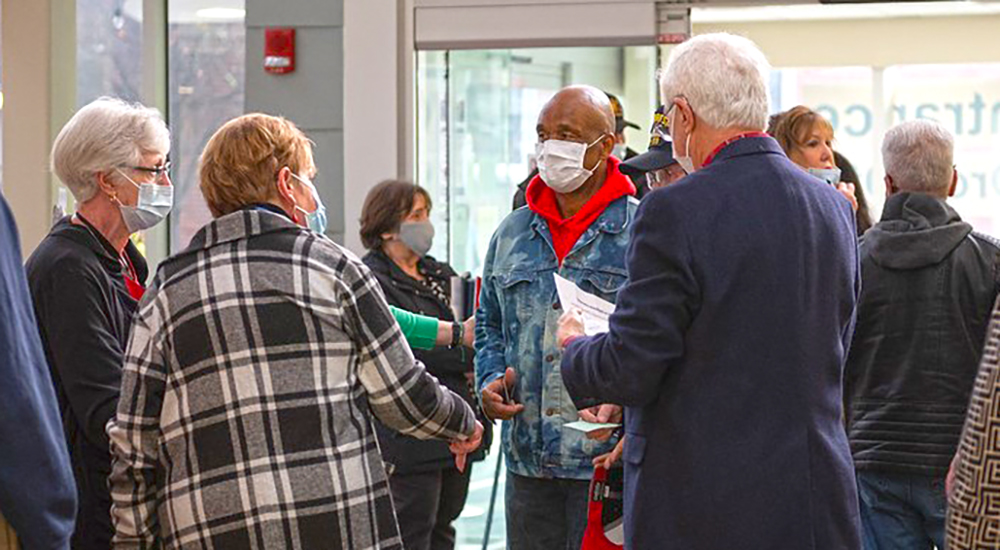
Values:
[(84, 314), (449, 366)]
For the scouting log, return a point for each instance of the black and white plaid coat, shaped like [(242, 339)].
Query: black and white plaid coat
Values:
[(257, 359)]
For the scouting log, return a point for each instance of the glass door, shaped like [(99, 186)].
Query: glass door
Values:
[(475, 142)]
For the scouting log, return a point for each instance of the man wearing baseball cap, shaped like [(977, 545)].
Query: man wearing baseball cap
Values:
[(656, 167)]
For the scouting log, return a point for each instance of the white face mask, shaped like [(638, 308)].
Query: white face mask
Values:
[(829, 175), (560, 164), (152, 206)]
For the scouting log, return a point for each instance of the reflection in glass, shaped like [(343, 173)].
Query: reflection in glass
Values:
[(477, 111), (206, 82), (109, 50)]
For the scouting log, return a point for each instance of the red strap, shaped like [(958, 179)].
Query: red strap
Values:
[(723, 145), (135, 289)]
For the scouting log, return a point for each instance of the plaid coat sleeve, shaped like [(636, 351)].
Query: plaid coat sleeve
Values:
[(134, 435), (401, 393)]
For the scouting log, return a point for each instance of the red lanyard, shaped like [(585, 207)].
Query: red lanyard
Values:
[(132, 284), (723, 145)]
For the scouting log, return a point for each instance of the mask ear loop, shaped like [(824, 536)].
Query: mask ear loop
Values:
[(598, 140)]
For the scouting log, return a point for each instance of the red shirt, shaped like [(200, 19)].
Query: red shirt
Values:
[(566, 231)]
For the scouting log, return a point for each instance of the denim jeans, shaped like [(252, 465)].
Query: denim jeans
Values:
[(545, 514), (902, 511)]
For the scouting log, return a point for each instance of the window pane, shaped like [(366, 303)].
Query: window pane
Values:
[(478, 110), (207, 50), (965, 99), (109, 50)]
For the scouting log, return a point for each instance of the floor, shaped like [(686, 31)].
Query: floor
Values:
[(471, 525)]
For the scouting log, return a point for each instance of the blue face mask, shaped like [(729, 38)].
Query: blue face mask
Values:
[(829, 175), (315, 220)]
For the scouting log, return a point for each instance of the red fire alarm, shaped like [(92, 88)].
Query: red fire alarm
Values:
[(279, 50)]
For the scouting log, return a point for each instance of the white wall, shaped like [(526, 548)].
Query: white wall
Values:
[(373, 136)]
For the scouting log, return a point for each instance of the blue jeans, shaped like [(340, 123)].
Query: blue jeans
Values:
[(902, 511), (545, 514)]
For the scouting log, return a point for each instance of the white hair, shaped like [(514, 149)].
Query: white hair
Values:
[(724, 79), (918, 155), (105, 134)]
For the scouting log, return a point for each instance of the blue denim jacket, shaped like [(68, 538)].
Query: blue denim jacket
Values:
[(516, 327)]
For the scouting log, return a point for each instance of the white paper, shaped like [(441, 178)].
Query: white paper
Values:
[(595, 311), (587, 427)]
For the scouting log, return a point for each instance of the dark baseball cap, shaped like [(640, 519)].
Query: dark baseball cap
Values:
[(619, 111), (661, 149)]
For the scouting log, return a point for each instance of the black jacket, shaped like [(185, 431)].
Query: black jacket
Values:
[(928, 284), (84, 314), (449, 366)]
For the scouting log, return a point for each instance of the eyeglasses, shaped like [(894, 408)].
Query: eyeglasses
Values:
[(157, 171)]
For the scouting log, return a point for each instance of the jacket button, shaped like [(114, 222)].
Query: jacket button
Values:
[(555, 305), (550, 412), (549, 358)]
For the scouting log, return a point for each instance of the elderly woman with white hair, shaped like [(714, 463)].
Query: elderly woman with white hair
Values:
[(727, 342), (86, 278)]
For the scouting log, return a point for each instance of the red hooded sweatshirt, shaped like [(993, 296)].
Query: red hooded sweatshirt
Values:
[(566, 231)]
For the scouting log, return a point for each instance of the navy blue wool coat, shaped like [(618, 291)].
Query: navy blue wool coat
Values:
[(727, 349)]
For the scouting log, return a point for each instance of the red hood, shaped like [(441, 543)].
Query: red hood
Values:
[(566, 231)]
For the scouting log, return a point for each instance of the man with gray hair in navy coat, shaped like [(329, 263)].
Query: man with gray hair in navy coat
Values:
[(728, 342)]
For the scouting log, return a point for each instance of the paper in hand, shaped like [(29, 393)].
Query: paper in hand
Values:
[(587, 427), (595, 311)]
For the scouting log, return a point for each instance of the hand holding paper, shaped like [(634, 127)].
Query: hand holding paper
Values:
[(601, 421), (593, 310), (570, 326)]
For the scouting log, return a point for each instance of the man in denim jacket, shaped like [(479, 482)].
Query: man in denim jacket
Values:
[(578, 223)]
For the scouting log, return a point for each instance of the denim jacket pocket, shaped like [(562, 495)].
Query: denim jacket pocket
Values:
[(603, 284), (516, 292)]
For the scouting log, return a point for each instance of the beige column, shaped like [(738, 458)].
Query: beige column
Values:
[(39, 87)]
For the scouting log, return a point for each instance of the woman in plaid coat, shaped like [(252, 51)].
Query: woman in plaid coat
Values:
[(257, 359)]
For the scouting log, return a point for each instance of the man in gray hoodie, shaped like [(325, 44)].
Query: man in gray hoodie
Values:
[(928, 285)]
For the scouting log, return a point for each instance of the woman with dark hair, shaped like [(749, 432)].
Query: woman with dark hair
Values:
[(427, 489), (848, 174), (807, 139)]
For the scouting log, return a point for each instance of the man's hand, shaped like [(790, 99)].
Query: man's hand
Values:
[(847, 190), (461, 448), (570, 326), (497, 403), (602, 414), (949, 479), (607, 460)]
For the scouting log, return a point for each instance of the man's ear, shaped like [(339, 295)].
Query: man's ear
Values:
[(890, 189), (954, 183), (686, 115), (608, 144)]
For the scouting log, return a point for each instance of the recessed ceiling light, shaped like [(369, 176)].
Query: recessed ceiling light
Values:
[(221, 13)]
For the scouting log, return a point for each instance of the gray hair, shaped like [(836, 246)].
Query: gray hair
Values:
[(724, 79), (103, 135), (918, 155)]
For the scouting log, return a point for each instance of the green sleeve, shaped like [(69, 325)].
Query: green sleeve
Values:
[(420, 331)]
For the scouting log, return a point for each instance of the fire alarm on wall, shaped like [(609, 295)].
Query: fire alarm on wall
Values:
[(279, 50)]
